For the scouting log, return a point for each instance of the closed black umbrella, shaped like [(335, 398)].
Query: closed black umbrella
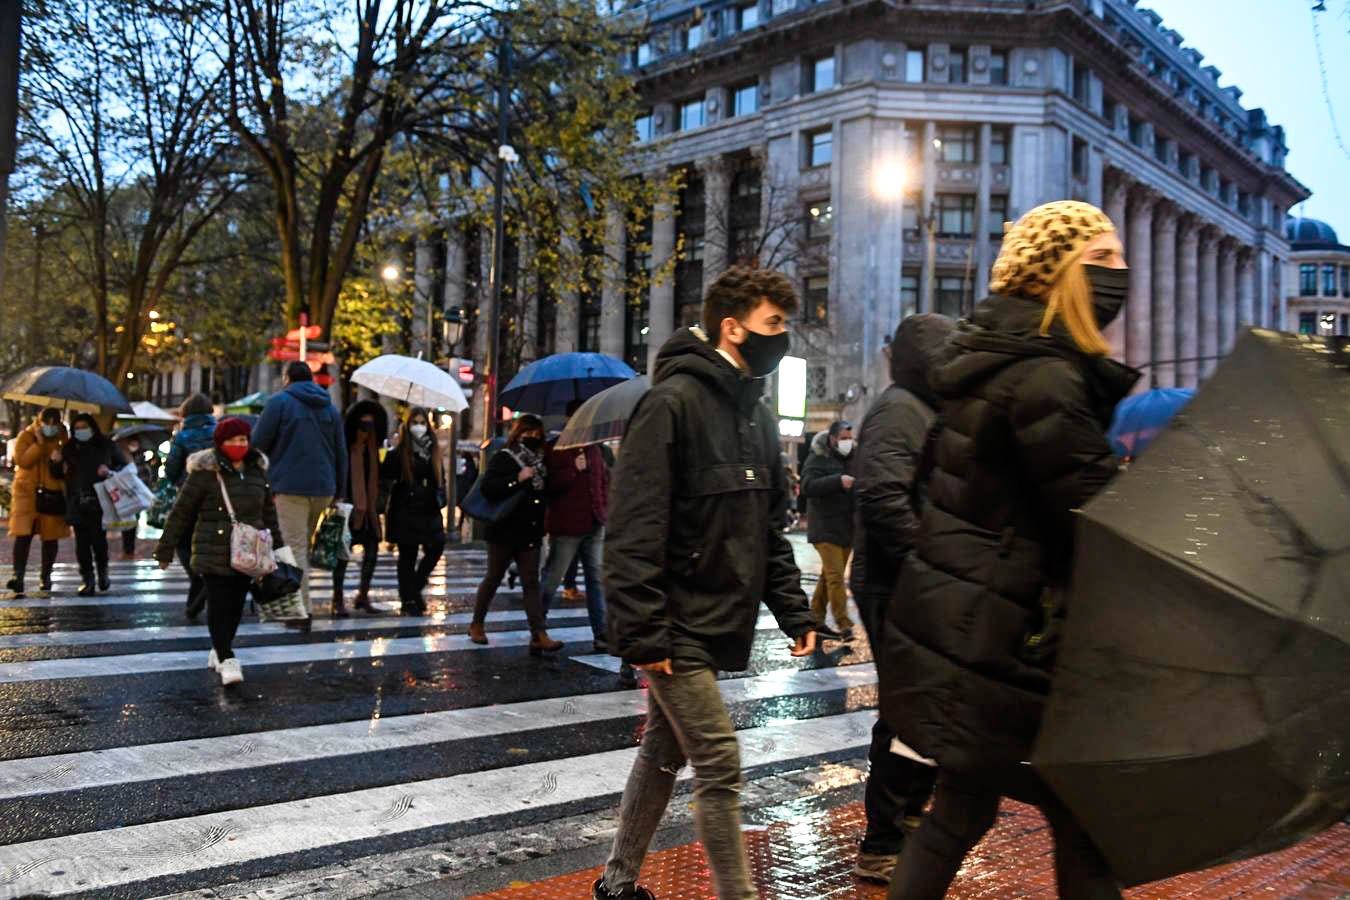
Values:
[(66, 387), (1201, 704)]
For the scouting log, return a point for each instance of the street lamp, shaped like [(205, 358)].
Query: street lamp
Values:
[(452, 328), (389, 272), (888, 181)]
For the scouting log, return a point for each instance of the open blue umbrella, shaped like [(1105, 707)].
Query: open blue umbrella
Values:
[(1139, 418), (547, 386), (67, 388)]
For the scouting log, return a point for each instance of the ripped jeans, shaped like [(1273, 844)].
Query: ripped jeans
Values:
[(686, 721)]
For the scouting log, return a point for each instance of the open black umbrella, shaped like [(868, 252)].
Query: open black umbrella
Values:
[(1200, 711), (65, 387), (150, 434)]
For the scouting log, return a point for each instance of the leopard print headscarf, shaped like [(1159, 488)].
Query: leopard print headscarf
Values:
[(1036, 249)]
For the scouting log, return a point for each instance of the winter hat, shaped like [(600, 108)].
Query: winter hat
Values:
[(1036, 249), (231, 427)]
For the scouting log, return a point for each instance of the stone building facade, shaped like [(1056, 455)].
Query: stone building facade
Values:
[(875, 148), (1318, 279)]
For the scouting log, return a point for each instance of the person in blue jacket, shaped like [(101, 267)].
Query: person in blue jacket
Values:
[(198, 425), (301, 433)]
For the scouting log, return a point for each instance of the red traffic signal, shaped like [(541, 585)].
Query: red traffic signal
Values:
[(464, 371)]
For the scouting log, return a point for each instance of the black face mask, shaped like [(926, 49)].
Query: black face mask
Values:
[(1110, 288), (763, 352), (533, 443)]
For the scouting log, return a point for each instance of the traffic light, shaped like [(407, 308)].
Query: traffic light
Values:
[(464, 371)]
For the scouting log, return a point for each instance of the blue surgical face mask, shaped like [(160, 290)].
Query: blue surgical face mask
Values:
[(84, 434), (50, 431)]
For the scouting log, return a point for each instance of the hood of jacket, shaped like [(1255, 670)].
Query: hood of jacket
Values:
[(351, 423), (820, 444), (689, 352), (309, 393), (200, 420), (922, 343), (210, 459), (1006, 330)]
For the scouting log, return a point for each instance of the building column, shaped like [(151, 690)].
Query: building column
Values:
[(1138, 313), (661, 312), (1277, 286), (1116, 191), (483, 317), (527, 284), (927, 290), (1209, 300), (1164, 371), (452, 292), (567, 313), (1227, 294), (613, 296), (717, 212), (424, 285), (1246, 291), (1188, 300), (982, 224)]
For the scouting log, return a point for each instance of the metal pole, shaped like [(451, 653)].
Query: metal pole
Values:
[(930, 263), (10, 18), (490, 415)]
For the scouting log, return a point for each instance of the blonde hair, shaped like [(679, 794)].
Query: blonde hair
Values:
[(1069, 299)]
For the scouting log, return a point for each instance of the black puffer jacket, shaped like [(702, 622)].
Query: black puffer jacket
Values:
[(964, 665), (524, 528), (200, 502), (694, 537), (890, 446), (415, 506), (78, 467), (831, 507)]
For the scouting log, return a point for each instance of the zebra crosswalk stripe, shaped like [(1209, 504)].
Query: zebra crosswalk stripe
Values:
[(216, 842)]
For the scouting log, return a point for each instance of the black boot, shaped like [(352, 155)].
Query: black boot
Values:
[(87, 589), (339, 605), (15, 584), (49, 551), (104, 582)]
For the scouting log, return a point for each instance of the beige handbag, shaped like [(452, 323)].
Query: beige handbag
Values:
[(250, 548)]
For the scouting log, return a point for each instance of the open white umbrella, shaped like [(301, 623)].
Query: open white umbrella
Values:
[(145, 411), (414, 381)]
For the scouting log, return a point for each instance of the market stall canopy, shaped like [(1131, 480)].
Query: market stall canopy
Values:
[(145, 411)]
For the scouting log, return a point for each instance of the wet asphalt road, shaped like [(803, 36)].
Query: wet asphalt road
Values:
[(115, 738)]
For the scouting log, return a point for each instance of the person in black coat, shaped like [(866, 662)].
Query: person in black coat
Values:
[(827, 478), (231, 465), (967, 651), (415, 476), (695, 545), (887, 463), (517, 469), (366, 428), (87, 458)]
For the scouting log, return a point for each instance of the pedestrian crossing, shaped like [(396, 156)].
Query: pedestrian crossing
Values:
[(127, 771)]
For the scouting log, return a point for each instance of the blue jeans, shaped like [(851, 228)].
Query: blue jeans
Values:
[(562, 550)]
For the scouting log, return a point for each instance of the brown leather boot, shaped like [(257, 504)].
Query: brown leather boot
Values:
[(541, 643), (363, 600), (477, 633)]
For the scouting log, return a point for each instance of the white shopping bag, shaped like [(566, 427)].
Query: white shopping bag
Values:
[(133, 495), (108, 496), (345, 510)]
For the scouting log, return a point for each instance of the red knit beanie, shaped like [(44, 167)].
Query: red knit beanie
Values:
[(231, 427)]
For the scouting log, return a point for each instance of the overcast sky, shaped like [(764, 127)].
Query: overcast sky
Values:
[(1265, 47)]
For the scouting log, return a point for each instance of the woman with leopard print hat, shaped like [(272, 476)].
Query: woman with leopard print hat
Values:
[(968, 645)]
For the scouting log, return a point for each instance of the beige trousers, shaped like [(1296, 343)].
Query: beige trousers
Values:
[(299, 516)]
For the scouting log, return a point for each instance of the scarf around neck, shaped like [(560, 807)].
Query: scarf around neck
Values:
[(527, 457)]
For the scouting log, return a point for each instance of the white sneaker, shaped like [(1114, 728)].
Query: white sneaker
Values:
[(230, 673), (212, 661)]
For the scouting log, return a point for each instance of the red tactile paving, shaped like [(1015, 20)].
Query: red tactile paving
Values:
[(811, 857)]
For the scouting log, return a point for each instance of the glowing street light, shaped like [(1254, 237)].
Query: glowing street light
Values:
[(888, 181), (389, 272)]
